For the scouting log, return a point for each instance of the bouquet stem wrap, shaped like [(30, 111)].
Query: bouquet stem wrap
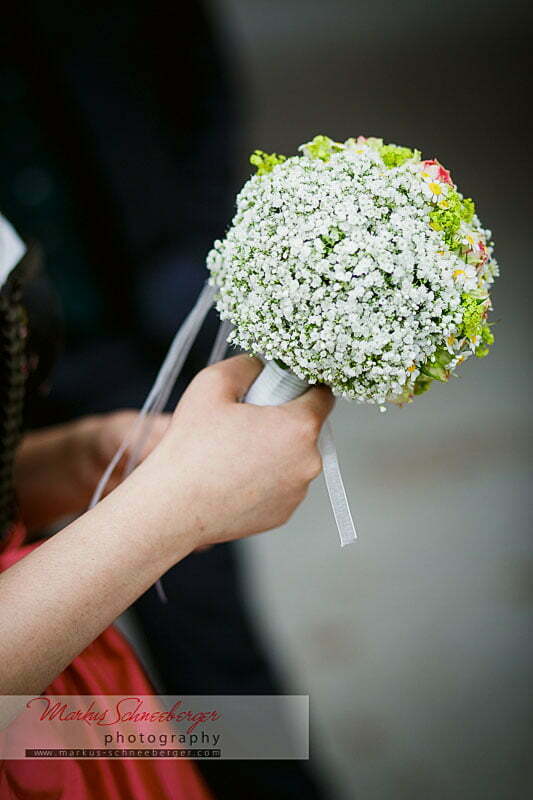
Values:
[(276, 385)]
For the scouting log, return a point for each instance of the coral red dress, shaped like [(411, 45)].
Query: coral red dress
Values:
[(107, 666)]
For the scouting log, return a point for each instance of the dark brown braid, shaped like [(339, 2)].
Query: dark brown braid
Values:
[(13, 376), (13, 372), (13, 368)]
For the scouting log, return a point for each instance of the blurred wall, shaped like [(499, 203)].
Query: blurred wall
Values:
[(413, 644)]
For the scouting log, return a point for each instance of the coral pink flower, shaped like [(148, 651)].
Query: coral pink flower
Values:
[(436, 170)]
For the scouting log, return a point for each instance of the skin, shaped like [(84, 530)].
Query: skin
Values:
[(57, 468), (222, 470)]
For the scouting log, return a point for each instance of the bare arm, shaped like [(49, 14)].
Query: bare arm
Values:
[(55, 601), (57, 468), (223, 470)]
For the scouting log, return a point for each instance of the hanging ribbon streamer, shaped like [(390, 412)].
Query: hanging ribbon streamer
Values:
[(221, 342), (172, 367), (273, 386), (158, 396), (160, 391), (335, 486)]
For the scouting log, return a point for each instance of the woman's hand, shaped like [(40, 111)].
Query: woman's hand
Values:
[(96, 439), (57, 468), (235, 469)]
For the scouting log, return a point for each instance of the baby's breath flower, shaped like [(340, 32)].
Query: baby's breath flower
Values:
[(356, 265)]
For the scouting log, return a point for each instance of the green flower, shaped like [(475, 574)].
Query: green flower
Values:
[(474, 311), (487, 335), (474, 326), (394, 156), (265, 162), (453, 210), (487, 339), (322, 147)]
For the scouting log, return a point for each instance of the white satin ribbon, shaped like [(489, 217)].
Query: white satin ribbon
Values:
[(221, 342), (160, 391), (335, 486), (158, 396)]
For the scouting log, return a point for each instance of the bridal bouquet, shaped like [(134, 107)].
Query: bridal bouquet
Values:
[(359, 265)]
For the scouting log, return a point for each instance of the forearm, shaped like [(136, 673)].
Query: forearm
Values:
[(46, 475), (57, 600)]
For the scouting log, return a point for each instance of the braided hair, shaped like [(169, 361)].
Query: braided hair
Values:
[(15, 363), (13, 371)]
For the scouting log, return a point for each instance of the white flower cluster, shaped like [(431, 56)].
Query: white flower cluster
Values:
[(332, 267)]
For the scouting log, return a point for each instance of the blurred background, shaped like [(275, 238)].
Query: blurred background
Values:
[(413, 644)]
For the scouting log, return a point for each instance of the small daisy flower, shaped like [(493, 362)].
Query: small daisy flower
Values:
[(469, 238), (433, 189)]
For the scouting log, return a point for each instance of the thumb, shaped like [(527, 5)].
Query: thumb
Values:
[(235, 376), (318, 400)]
